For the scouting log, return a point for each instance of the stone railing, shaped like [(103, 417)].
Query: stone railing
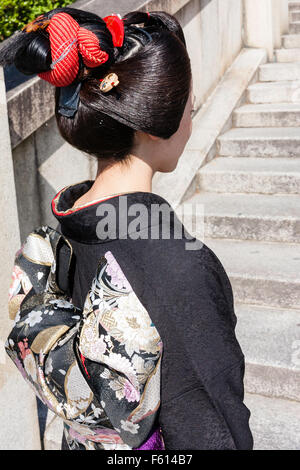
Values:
[(35, 162)]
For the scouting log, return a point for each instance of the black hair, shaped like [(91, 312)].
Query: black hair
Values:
[(154, 80)]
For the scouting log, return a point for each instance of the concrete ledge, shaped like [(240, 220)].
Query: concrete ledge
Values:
[(250, 175), (262, 273), (171, 6), (291, 40), (274, 92), (260, 142), (270, 342), (287, 55), (294, 27), (267, 115), (209, 123), (294, 6), (277, 382), (279, 72), (274, 422), (256, 217), (29, 106)]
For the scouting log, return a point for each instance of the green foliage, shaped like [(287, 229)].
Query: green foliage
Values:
[(14, 14)]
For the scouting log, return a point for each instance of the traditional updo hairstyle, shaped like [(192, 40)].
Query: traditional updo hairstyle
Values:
[(154, 79)]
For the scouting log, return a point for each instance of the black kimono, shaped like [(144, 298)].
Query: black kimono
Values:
[(153, 333)]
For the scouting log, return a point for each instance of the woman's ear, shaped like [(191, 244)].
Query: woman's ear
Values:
[(153, 137), (144, 136)]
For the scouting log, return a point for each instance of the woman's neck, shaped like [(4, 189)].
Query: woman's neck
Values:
[(119, 177)]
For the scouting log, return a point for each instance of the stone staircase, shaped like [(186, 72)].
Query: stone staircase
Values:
[(251, 198)]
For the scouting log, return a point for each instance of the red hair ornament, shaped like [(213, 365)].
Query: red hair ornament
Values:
[(116, 27), (67, 39)]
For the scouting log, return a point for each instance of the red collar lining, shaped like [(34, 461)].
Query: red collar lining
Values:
[(72, 211)]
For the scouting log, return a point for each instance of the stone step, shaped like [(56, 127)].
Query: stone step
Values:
[(290, 41), (270, 341), (267, 115), (260, 142), (274, 72), (250, 175), (287, 55), (256, 217), (295, 15), (274, 92), (274, 422), (294, 6), (294, 27), (261, 273)]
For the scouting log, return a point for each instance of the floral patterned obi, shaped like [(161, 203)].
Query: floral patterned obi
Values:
[(97, 368)]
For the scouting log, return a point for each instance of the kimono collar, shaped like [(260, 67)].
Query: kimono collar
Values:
[(111, 218)]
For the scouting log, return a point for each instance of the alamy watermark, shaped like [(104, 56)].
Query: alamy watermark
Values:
[(154, 221)]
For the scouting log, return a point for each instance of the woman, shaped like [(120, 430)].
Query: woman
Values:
[(156, 345)]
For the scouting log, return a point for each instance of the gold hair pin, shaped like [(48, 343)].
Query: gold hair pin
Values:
[(108, 82)]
